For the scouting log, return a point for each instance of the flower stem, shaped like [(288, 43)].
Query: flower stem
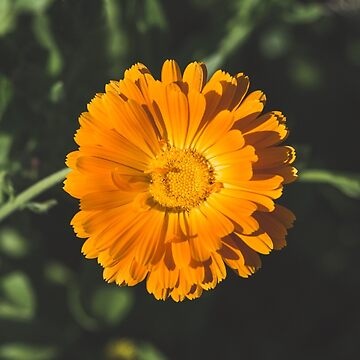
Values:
[(347, 183), (20, 201)]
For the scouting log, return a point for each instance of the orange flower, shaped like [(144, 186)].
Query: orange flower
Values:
[(178, 177)]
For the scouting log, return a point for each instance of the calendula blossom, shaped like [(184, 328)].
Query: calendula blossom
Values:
[(177, 177)]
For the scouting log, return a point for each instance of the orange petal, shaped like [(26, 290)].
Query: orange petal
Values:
[(249, 109), (274, 157), (195, 75), (105, 200), (231, 141), (197, 105), (170, 72), (214, 131)]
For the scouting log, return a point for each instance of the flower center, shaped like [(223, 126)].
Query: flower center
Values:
[(181, 179)]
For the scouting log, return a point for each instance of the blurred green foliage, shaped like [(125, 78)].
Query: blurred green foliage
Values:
[(18, 300), (18, 351), (6, 92), (118, 303), (12, 243), (56, 54), (349, 184)]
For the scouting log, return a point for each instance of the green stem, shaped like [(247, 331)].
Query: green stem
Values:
[(19, 201), (316, 175), (347, 183)]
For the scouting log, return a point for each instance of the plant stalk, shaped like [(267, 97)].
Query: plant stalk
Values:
[(20, 200)]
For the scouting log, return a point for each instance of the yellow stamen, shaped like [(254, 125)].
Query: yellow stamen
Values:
[(181, 179)]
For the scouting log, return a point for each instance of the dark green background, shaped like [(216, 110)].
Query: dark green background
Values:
[(304, 302)]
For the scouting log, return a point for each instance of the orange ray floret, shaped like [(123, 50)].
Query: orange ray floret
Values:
[(177, 178)]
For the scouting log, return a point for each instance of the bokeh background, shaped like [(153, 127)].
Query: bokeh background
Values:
[(304, 302)]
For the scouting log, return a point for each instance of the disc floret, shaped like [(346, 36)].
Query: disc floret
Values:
[(181, 179)]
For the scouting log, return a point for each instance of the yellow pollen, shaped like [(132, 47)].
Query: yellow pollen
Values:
[(181, 179)]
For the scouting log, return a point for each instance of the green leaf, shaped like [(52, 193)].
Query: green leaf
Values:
[(17, 301), (57, 273), (245, 20), (10, 9), (34, 6), (117, 40), (12, 243), (306, 13), (149, 352), (275, 42), (19, 351), (155, 14), (348, 184), (111, 304), (44, 35), (57, 92), (77, 309), (40, 207), (6, 187), (7, 16), (6, 92), (5, 145)]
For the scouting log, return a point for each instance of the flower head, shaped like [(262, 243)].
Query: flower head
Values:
[(178, 177)]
